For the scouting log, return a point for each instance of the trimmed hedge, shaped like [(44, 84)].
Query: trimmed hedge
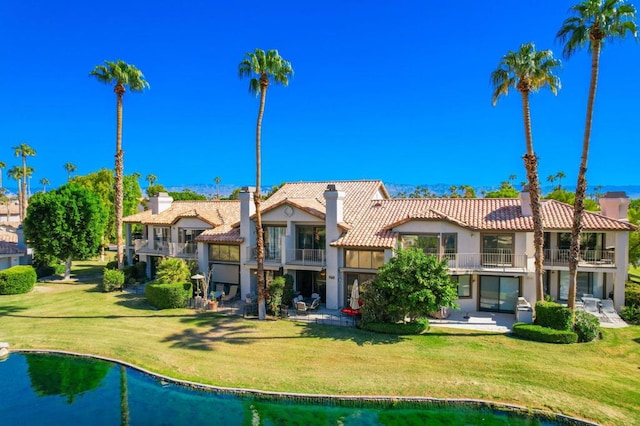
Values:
[(112, 279), (168, 296), (553, 315), (543, 334), (586, 326), (632, 294), (415, 327), (17, 279)]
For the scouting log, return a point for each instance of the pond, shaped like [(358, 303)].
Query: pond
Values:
[(61, 390)]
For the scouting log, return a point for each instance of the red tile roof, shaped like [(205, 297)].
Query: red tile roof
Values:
[(374, 227)]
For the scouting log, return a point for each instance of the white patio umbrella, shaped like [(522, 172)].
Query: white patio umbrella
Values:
[(355, 296)]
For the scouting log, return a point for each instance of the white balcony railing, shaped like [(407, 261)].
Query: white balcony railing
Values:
[(271, 254), (560, 257), (311, 257), (487, 261), (164, 248)]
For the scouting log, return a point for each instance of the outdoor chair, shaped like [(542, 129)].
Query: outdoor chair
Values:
[(314, 305), (608, 311), (233, 293), (301, 307), (220, 288), (591, 306)]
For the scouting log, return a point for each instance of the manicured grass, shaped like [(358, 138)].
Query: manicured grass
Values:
[(599, 381), (634, 274)]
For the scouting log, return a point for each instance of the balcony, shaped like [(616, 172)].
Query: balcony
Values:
[(306, 257), (164, 248), (271, 254), (560, 257), (503, 261)]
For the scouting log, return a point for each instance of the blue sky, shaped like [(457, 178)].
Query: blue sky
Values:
[(397, 91)]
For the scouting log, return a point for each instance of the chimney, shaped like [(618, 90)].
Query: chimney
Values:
[(247, 206), (160, 202), (525, 202), (614, 205), (334, 197)]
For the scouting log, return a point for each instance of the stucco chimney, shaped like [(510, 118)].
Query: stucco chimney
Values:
[(334, 197), (160, 202), (525, 202), (247, 206), (614, 205)]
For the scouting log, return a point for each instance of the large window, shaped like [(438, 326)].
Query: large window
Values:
[(224, 252), (497, 249), (499, 294), (588, 241), (160, 238), (311, 237), (587, 284), (188, 235), (464, 285), (364, 259), (435, 244), (273, 242)]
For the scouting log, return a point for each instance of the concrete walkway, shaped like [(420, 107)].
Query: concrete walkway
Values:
[(481, 321)]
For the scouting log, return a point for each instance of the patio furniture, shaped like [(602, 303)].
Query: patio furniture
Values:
[(591, 305), (233, 293), (608, 311), (314, 305), (220, 288), (301, 307)]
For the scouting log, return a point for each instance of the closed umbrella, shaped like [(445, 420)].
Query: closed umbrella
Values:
[(355, 296)]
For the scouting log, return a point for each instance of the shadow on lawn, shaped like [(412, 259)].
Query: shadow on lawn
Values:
[(359, 337), (11, 310), (218, 327)]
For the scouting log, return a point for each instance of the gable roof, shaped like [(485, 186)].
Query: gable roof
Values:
[(309, 197), (215, 213), (374, 228)]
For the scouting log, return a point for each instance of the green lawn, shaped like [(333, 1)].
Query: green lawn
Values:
[(599, 381), (634, 274)]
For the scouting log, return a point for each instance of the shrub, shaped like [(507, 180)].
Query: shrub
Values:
[(112, 280), (287, 294), (553, 315), (17, 279), (632, 294), (543, 334), (586, 326), (112, 265), (631, 314), (173, 270), (60, 268), (418, 326), (275, 290), (44, 271), (168, 296)]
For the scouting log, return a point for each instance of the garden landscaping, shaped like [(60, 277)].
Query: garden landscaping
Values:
[(598, 381)]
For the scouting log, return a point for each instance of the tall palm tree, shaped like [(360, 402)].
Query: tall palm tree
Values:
[(528, 70), (70, 168), (23, 150), (121, 75), (151, 179), (560, 175), (592, 22), (551, 179), (217, 180), (2, 166), (260, 66), (44, 182)]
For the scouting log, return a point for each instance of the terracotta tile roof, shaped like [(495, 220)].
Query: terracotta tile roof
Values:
[(10, 248), (309, 196), (373, 229), (221, 234), (215, 213)]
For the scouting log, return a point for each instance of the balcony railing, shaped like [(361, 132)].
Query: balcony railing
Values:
[(491, 261), (164, 248), (271, 254), (310, 257), (560, 257)]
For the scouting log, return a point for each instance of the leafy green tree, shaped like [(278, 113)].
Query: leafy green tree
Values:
[(187, 195), (593, 22), (569, 197), (634, 237), (173, 270), (70, 168), (260, 66), (67, 223), (418, 192), (527, 71), (506, 190), (23, 151), (411, 285), (235, 195), (151, 179), (153, 190), (121, 75)]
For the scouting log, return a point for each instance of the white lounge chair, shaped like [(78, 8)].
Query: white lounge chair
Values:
[(314, 305), (609, 311), (233, 293)]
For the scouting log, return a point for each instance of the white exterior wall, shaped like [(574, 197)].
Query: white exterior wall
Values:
[(334, 215), (622, 268), (247, 209)]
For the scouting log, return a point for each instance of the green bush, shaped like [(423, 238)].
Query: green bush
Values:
[(172, 270), (287, 294), (274, 291), (44, 271), (418, 326), (631, 314), (553, 315), (17, 279), (632, 294), (168, 296), (543, 334), (112, 265), (586, 326), (60, 268), (112, 280)]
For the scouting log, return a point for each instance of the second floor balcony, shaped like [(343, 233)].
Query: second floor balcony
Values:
[(494, 260), (560, 257), (306, 257), (271, 254), (165, 248)]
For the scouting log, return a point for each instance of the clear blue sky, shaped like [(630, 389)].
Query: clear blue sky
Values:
[(397, 91)]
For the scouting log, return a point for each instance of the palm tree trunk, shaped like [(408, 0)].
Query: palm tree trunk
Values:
[(581, 187), (23, 205), (119, 166), (531, 165), (257, 199)]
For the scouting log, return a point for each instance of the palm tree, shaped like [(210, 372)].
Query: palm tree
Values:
[(23, 150), (528, 70), (70, 168), (44, 182), (2, 166), (593, 22), (560, 175), (217, 180), (151, 179), (121, 75), (259, 66), (551, 179)]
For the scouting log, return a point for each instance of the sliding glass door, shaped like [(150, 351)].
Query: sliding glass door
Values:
[(499, 294)]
